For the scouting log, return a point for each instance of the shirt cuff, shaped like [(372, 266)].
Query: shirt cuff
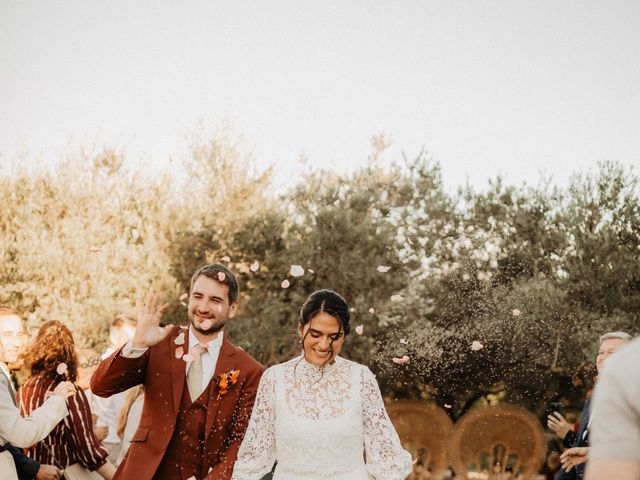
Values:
[(129, 351)]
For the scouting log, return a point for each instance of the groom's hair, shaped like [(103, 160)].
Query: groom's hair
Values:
[(221, 274)]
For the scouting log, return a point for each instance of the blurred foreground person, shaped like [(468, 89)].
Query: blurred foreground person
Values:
[(52, 359), (574, 458), (615, 451), (317, 414), (129, 419), (24, 432)]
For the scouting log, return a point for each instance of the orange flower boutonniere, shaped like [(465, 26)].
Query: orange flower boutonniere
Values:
[(226, 381)]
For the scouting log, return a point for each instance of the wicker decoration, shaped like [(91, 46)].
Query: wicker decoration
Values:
[(497, 443), (424, 430)]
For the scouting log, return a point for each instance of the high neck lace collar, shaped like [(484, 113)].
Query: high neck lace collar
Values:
[(309, 368)]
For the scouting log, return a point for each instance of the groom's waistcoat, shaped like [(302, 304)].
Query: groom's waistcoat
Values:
[(185, 454)]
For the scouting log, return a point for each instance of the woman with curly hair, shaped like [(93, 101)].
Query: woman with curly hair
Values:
[(53, 359)]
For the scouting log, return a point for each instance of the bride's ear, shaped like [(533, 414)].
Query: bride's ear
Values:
[(300, 329)]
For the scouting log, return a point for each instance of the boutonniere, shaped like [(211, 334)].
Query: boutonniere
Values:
[(226, 381)]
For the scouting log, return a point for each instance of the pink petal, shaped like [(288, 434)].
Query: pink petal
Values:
[(296, 271), (383, 268), (221, 276), (179, 352), (255, 266), (184, 296), (403, 341), (359, 329), (285, 283), (225, 258), (446, 405), (397, 298), (476, 345), (61, 368), (94, 249), (187, 357), (516, 312), (179, 339), (400, 361), (372, 310), (206, 324)]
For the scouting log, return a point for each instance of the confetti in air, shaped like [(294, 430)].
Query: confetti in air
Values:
[(179, 352), (179, 339), (255, 266), (94, 249), (516, 312), (359, 329), (372, 310), (476, 345), (383, 268), (221, 276), (188, 357), (206, 324), (446, 405), (401, 360), (403, 341), (184, 296), (225, 258), (61, 369), (310, 271), (285, 283), (296, 271), (397, 298)]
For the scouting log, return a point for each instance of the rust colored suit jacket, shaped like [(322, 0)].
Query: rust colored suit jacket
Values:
[(163, 376)]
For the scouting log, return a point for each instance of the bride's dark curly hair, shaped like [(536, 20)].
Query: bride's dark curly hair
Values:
[(54, 345)]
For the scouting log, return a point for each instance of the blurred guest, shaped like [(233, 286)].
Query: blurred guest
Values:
[(20, 431), (615, 451), (52, 359), (129, 418), (578, 442), (107, 410)]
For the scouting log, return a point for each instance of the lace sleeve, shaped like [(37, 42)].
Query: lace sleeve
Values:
[(257, 452), (385, 457)]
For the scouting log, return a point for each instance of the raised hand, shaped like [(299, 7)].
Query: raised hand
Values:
[(148, 330), (558, 425)]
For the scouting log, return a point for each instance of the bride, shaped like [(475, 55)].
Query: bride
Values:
[(320, 416)]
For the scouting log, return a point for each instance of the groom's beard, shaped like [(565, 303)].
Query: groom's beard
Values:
[(217, 324)]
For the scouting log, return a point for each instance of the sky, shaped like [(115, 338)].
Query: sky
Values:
[(512, 88)]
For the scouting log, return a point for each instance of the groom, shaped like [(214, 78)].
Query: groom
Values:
[(199, 388)]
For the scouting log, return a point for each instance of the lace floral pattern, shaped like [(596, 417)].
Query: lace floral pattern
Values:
[(327, 423)]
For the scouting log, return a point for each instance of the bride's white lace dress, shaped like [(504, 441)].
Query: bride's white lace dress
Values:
[(322, 424)]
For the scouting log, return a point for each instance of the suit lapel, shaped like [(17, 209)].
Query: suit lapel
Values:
[(225, 363), (178, 367)]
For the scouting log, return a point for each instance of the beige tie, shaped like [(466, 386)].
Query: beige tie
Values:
[(194, 374)]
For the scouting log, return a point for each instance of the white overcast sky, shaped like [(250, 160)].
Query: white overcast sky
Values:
[(488, 87)]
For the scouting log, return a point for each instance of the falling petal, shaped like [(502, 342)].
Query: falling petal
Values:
[(206, 324), (310, 271), (359, 329), (403, 341), (221, 276), (476, 345), (204, 345), (397, 298), (285, 283), (179, 339), (383, 268), (255, 266), (94, 249), (372, 310), (446, 405), (183, 304), (296, 271), (179, 352), (187, 357), (401, 360), (61, 368), (184, 296), (135, 233), (225, 258), (516, 312)]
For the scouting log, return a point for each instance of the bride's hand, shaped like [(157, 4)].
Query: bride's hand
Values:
[(65, 390)]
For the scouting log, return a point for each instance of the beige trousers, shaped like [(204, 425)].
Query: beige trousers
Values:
[(8, 467)]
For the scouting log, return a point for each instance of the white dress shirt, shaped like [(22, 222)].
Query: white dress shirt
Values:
[(209, 358)]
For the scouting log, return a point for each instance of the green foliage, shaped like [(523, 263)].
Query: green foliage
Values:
[(534, 274)]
